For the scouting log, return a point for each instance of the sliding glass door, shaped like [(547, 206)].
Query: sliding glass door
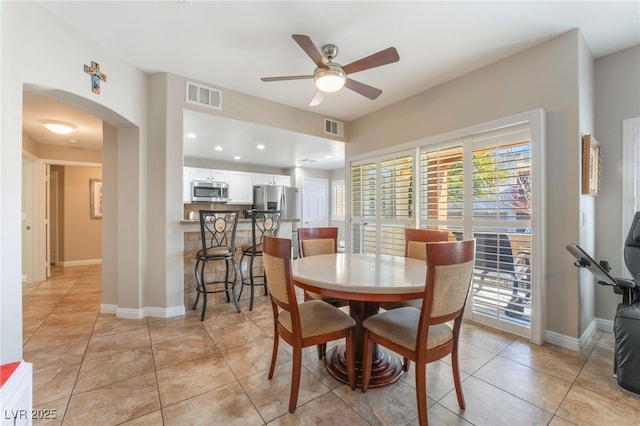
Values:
[(484, 184)]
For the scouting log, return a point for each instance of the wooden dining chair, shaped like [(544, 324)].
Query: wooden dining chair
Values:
[(415, 241), (305, 324), (314, 241), (426, 335)]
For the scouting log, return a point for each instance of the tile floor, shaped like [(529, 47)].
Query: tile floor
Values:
[(95, 369)]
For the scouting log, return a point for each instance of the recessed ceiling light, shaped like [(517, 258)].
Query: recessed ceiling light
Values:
[(59, 127), (73, 141), (260, 146), (191, 135), (218, 148), (236, 157)]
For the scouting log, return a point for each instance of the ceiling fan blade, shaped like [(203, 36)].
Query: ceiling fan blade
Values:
[(311, 49), (383, 57), (363, 89), (288, 77), (317, 98)]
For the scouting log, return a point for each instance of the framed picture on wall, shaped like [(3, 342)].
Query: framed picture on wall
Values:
[(590, 165), (95, 198)]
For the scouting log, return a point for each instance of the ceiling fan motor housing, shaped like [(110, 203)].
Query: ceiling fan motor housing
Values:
[(330, 51)]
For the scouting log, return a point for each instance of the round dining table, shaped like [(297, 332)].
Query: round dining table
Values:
[(364, 280)]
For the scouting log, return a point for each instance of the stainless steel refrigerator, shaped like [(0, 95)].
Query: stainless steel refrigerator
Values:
[(277, 197)]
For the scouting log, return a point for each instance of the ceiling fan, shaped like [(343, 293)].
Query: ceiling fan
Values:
[(330, 76)]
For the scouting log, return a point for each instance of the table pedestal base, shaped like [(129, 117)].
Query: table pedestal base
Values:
[(386, 367)]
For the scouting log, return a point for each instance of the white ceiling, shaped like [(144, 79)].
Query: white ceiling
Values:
[(282, 149), (232, 44)]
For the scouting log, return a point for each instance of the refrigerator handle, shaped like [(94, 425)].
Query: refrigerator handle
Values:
[(283, 203)]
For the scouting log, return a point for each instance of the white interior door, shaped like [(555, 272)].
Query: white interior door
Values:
[(315, 202)]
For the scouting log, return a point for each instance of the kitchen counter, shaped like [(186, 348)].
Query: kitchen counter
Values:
[(197, 221)]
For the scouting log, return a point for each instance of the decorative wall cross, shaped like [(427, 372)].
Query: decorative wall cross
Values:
[(96, 76)]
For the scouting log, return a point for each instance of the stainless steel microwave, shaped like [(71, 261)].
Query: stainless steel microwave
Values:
[(209, 191)]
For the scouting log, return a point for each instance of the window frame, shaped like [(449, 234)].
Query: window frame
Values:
[(536, 118)]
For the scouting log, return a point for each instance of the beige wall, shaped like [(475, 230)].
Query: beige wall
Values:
[(51, 152), (617, 94), (81, 236)]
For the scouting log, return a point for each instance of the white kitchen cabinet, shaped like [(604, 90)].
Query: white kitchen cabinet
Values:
[(266, 179), (211, 175), (262, 179), (240, 188), (282, 180)]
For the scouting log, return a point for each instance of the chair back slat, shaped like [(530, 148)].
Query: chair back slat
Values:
[(449, 274), (315, 247), (277, 266), (451, 286), (416, 239), (319, 240), (264, 223), (218, 230)]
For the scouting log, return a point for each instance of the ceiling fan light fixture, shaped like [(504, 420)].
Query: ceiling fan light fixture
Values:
[(330, 79)]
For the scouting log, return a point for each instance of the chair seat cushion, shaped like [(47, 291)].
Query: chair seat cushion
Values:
[(216, 252), (317, 317), (249, 249), (401, 327)]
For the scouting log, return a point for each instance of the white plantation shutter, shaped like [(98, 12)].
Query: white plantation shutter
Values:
[(483, 183), (479, 187), (363, 207), (382, 199), (441, 183), (338, 200), (502, 224)]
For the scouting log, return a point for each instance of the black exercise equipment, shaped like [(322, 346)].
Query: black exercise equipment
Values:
[(626, 326)]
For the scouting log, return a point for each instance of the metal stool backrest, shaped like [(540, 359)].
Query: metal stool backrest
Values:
[(265, 222), (218, 231)]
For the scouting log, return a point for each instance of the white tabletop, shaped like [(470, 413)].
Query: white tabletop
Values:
[(361, 273)]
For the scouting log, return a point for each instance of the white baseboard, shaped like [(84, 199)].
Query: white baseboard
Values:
[(79, 262), (605, 325), (571, 342), (149, 311), (16, 396)]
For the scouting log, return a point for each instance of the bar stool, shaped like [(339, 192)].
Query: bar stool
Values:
[(218, 236), (263, 223)]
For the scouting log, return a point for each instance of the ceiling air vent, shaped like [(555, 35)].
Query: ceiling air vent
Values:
[(333, 127), (204, 96)]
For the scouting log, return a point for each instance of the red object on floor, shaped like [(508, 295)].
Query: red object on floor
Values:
[(6, 370)]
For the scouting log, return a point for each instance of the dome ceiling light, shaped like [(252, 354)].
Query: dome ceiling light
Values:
[(59, 127)]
